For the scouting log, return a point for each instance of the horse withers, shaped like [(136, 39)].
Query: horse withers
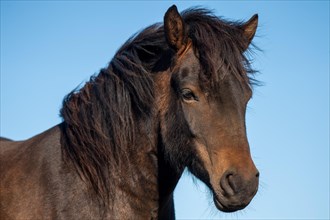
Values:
[(173, 96)]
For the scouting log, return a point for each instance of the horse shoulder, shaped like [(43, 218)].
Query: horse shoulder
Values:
[(36, 182)]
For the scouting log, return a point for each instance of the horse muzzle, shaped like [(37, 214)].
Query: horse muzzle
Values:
[(235, 192)]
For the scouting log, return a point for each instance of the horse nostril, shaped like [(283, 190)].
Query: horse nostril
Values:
[(227, 183), (258, 174), (231, 181)]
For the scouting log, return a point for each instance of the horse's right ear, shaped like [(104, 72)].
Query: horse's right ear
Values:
[(249, 30), (174, 28)]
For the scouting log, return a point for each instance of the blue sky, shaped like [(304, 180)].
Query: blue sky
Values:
[(48, 48)]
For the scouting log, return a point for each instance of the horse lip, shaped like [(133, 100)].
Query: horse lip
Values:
[(218, 204), (222, 206)]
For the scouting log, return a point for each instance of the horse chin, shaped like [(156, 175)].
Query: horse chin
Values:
[(225, 205)]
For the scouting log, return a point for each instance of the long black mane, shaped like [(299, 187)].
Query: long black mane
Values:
[(101, 120)]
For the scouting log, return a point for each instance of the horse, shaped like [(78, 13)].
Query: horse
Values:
[(174, 96)]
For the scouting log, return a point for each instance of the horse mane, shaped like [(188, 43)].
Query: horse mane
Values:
[(221, 47), (101, 119)]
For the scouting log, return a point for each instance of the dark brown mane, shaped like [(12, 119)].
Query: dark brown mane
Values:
[(100, 119), (220, 46)]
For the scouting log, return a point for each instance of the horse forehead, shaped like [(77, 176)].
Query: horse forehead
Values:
[(189, 65), (190, 68)]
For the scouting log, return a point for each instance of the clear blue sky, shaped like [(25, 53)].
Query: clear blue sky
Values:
[(48, 48)]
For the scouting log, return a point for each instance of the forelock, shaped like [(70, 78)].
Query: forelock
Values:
[(219, 45)]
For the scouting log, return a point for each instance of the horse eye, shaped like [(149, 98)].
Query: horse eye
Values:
[(188, 95)]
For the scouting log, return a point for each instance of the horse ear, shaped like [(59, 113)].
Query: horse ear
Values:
[(174, 28), (249, 30)]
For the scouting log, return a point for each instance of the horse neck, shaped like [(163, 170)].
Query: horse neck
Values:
[(155, 177), (168, 178)]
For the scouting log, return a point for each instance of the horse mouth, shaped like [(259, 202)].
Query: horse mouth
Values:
[(226, 202), (225, 206)]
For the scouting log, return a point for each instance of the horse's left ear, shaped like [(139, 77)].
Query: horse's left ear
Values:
[(174, 28), (249, 30)]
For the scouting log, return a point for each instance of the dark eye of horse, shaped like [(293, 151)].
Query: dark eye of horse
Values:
[(188, 95)]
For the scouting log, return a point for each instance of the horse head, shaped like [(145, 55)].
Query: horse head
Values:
[(208, 88)]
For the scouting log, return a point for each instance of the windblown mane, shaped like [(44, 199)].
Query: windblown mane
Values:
[(221, 47), (100, 120)]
